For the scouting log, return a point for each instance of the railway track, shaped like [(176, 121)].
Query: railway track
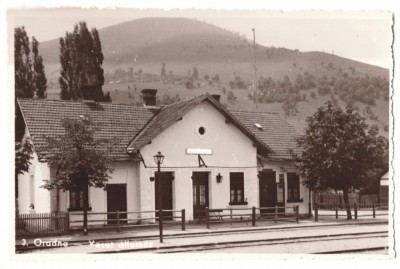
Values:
[(224, 241), (284, 241), (356, 250)]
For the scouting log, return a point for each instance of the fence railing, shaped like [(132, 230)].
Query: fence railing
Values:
[(356, 210), (119, 219), (337, 198), (41, 224), (253, 214)]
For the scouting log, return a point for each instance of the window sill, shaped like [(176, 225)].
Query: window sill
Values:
[(78, 209), (238, 203), (295, 201)]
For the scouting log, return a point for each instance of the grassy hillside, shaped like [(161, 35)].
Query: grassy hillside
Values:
[(135, 51)]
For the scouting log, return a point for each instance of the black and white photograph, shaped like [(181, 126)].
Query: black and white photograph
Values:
[(201, 132)]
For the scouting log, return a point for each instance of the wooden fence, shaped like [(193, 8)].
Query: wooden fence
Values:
[(250, 214), (118, 220), (360, 211), (337, 199), (41, 224)]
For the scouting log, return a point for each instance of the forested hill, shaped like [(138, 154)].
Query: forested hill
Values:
[(187, 40), (183, 57)]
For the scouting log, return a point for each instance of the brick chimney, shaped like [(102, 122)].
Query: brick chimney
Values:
[(89, 94), (149, 97), (217, 97)]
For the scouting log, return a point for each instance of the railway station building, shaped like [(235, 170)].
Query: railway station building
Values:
[(213, 157)]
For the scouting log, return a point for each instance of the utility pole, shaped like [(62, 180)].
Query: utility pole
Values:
[(158, 158), (255, 68)]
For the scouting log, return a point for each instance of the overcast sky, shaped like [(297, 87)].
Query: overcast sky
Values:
[(362, 36)]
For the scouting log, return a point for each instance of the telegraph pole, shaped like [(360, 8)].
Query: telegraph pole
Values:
[(255, 68)]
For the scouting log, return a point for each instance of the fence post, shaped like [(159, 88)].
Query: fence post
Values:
[(68, 222), (355, 211), (183, 219), (336, 209), (230, 210), (276, 214), (316, 211), (373, 209), (297, 213), (207, 218), (118, 224), (253, 216)]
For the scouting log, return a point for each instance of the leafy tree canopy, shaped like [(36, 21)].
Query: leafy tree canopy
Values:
[(339, 150), (79, 157), (23, 156), (81, 58), (30, 77)]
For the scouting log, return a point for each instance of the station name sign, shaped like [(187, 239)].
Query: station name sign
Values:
[(199, 151)]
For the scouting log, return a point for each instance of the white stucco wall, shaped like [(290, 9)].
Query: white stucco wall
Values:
[(41, 197), (124, 173), (232, 151)]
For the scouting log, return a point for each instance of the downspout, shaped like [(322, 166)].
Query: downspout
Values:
[(309, 203)]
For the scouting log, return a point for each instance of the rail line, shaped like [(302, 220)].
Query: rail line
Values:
[(225, 243), (355, 250), (281, 241)]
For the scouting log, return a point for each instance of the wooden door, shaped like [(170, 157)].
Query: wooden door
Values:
[(166, 190), (116, 201), (268, 190), (200, 194)]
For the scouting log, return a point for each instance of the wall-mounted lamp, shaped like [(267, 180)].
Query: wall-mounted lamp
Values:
[(151, 179), (219, 178)]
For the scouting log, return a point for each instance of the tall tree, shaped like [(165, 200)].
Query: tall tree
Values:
[(339, 150), (81, 58), (163, 70), (195, 72), (30, 77), (80, 159), (39, 76), (24, 87)]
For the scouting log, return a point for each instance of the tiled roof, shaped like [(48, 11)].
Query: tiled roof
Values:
[(43, 117), (276, 132), (136, 126), (165, 118), (172, 113)]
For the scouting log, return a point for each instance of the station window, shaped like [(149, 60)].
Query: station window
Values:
[(293, 182), (236, 188), (76, 199)]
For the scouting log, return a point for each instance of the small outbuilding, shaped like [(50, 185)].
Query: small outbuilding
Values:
[(384, 189)]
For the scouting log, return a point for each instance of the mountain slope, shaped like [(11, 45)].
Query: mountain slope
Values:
[(135, 51), (183, 40)]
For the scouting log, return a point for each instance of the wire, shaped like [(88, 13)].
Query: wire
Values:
[(208, 166)]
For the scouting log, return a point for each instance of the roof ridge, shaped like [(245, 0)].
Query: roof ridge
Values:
[(249, 111), (79, 102), (184, 100)]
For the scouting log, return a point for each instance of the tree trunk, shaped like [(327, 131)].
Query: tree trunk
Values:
[(346, 202), (58, 200), (85, 206)]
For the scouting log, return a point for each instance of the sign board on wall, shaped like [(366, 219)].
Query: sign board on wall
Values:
[(199, 151)]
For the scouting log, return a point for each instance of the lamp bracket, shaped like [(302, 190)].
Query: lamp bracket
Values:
[(201, 161)]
